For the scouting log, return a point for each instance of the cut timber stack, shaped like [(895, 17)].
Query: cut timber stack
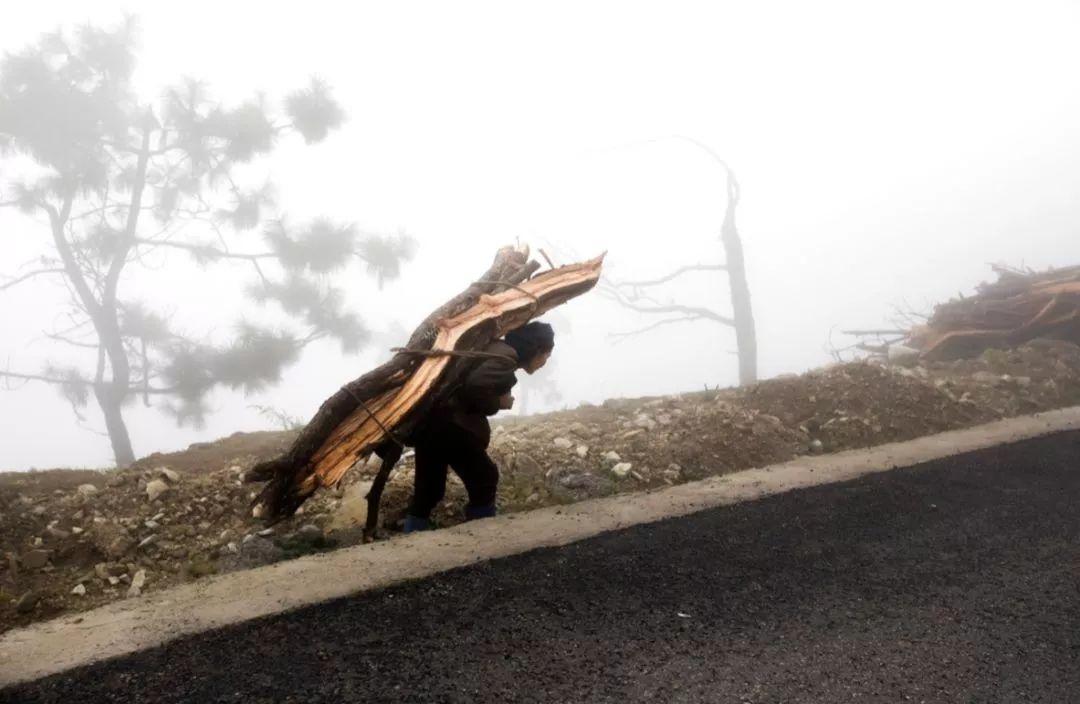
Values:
[(1020, 306), (379, 411)]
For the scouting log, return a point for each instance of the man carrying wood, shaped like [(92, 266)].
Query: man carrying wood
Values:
[(457, 433)]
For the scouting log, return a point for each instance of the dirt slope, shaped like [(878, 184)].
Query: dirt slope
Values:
[(75, 539)]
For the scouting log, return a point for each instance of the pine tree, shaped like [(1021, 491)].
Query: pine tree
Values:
[(117, 179)]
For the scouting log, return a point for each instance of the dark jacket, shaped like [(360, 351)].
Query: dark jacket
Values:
[(478, 395)]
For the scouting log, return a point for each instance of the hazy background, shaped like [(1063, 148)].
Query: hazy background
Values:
[(886, 151)]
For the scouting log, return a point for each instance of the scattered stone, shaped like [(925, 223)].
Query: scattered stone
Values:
[(563, 443), (577, 480), (35, 559), (79, 590), (816, 447), (170, 474), (155, 489), (76, 530), (27, 602), (582, 451), (148, 540), (612, 456), (579, 429), (309, 532), (621, 470), (87, 490), (137, 583), (645, 422), (525, 464), (266, 532), (57, 533)]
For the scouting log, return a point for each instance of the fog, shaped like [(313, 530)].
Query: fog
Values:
[(886, 154)]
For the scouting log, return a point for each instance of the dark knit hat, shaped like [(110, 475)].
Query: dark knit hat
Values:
[(531, 339)]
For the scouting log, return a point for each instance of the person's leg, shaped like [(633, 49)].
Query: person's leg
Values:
[(480, 475), (429, 486)]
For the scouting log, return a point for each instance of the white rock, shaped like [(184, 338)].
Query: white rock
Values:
[(644, 421), (621, 470), (563, 443), (79, 590), (137, 583), (233, 548), (87, 489), (171, 474), (265, 532), (612, 456), (582, 451), (309, 532), (155, 489), (76, 530), (151, 524)]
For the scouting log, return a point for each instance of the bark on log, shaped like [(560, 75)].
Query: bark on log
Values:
[(383, 408)]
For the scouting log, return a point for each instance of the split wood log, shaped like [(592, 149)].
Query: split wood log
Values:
[(380, 411)]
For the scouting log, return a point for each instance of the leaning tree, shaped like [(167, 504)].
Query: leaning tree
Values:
[(642, 295), (117, 184)]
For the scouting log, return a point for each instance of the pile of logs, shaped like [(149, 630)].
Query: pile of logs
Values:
[(1017, 308), (379, 412)]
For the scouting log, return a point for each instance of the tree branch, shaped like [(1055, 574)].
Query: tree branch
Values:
[(29, 275), (82, 382), (675, 274), (206, 250), (695, 311), (621, 336)]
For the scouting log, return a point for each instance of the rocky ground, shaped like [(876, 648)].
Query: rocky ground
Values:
[(74, 539)]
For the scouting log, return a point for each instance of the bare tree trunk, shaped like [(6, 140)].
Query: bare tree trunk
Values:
[(115, 425), (107, 320), (745, 333)]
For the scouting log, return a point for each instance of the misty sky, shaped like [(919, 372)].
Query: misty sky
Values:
[(887, 153)]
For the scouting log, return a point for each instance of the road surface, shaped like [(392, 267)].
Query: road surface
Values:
[(952, 581)]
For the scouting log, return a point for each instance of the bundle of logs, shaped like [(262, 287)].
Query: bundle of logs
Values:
[(380, 411)]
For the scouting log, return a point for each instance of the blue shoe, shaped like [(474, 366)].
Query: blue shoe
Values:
[(415, 523), (474, 512)]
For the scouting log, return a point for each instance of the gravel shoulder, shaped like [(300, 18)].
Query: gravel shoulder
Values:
[(950, 581)]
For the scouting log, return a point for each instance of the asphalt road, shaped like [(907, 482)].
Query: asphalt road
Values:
[(953, 581)]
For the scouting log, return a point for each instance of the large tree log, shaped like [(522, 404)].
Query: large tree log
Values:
[(380, 411)]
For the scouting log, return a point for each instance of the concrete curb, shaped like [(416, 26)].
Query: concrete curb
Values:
[(137, 624)]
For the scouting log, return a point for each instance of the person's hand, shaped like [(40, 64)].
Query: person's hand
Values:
[(506, 401)]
